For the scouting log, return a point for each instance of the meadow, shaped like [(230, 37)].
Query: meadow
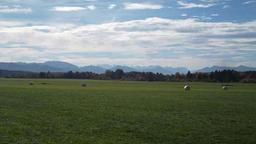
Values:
[(125, 112)]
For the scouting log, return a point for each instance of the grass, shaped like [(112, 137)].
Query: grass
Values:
[(118, 112)]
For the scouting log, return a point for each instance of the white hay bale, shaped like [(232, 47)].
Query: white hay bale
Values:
[(225, 88), (187, 87)]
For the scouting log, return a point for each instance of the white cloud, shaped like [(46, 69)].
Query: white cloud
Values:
[(14, 9), (10, 23), (153, 41), (249, 2), (112, 6), (226, 6), (72, 8), (67, 9), (141, 6), (202, 18), (215, 15), (91, 7), (184, 15), (186, 5)]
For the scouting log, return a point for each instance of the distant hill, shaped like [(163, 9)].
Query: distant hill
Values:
[(64, 66), (124, 68), (154, 69), (32, 67), (59, 66), (163, 70), (220, 68), (94, 69)]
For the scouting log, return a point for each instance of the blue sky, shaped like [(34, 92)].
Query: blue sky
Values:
[(190, 33)]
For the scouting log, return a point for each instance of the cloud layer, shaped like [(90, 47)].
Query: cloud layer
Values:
[(153, 41), (141, 6), (186, 5), (14, 9), (67, 9), (72, 8)]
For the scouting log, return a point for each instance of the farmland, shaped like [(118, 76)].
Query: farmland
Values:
[(62, 111)]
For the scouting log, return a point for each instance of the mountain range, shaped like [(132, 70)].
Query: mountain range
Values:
[(240, 68), (58, 66)]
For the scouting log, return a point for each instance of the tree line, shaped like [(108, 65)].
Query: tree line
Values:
[(119, 74)]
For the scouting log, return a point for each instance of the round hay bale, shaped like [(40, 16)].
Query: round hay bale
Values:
[(225, 88), (187, 87), (83, 85)]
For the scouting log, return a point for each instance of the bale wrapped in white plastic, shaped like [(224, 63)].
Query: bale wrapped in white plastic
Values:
[(187, 87), (225, 88)]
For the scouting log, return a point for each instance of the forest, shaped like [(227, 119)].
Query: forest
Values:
[(119, 74)]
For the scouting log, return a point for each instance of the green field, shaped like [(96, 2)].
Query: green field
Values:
[(117, 112)]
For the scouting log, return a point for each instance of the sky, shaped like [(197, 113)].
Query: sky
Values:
[(177, 33)]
